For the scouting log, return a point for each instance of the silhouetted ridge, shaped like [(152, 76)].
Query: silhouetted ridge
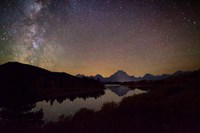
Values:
[(187, 76), (19, 81)]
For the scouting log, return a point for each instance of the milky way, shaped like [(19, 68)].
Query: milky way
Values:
[(102, 36), (31, 43)]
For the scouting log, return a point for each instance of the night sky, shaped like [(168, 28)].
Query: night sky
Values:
[(102, 36)]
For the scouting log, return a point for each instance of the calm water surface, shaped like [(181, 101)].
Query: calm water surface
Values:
[(113, 93)]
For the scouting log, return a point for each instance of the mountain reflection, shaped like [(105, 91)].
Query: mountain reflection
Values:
[(75, 96), (119, 90)]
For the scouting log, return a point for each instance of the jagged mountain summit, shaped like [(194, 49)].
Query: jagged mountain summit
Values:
[(120, 76)]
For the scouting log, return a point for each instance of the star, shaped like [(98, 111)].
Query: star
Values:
[(95, 36)]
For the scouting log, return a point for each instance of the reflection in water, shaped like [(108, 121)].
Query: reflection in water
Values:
[(53, 109), (119, 90)]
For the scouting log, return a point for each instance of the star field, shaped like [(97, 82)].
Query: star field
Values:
[(102, 36)]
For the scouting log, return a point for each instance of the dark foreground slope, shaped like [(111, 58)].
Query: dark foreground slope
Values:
[(25, 82)]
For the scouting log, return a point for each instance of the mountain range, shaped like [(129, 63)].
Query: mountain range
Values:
[(19, 81), (121, 76)]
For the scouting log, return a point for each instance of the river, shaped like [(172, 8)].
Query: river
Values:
[(54, 109)]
